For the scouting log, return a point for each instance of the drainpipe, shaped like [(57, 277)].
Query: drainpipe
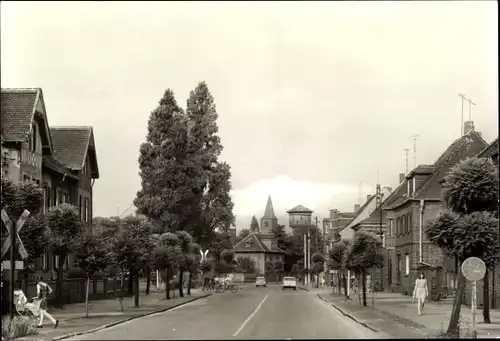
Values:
[(421, 228), (91, 205)]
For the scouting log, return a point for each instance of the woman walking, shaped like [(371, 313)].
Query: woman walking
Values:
[(43, 290), (420, 292)]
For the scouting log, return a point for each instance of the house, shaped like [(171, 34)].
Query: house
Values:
[(334, 223), (61, 160), (261, 246), (416, 202), (362, 213)]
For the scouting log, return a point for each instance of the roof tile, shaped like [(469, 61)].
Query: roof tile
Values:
[(17, 107), (70, 145)]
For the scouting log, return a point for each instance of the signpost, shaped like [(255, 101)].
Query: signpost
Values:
[(473, 269), (13, 227)]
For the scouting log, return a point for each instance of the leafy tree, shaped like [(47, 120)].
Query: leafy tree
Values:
[(317, 267), (193, 260), (254, 225), (269, 268), (186, 242), (92, 256), (242, 235), (470, 226), (316, 240), (227, 263), (246, 264), (205, 267), (364, 252), (278, 268), (106, 227), (130, 249), (166, 196), (167, 254), (212, 184), (221, 242), (64, 229), (280, 236), (336, 262)]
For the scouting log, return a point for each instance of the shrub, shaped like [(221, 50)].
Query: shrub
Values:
[(19, 326)]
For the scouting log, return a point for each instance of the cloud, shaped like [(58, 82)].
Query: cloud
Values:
[(286, 193)]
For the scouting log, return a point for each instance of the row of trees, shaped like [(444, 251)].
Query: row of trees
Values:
[(362, 253)]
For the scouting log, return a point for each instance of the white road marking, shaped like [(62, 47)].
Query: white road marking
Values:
[(250, 317)]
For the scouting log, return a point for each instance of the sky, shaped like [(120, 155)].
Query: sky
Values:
[(313, 98)]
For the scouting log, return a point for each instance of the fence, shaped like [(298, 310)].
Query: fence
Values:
[(73, 290)]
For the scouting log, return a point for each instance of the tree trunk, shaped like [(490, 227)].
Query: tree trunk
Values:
[(136, 291), (122, 288), (60, 280), (130, 282), (167, 283), (181, 277), (339, 282), (363, 278), (344, 280), (87, 286), (25, 283), (457, 305), (148, 279), (486, 297), (190, 283), (493, 286)]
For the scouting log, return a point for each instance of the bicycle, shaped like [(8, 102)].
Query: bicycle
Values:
[(442, 295), (233, 287)]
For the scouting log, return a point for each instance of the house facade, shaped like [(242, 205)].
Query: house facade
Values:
[(334, 224), (61, 160), (261, 246), (411, 207)]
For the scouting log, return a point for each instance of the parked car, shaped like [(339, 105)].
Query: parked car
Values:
[(290, 282), (261, 282)]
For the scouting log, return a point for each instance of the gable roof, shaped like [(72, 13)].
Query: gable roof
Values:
[(299, 209), (491, 150), (465, 146), (19, 110), (373, 218), (257, 244), (71, 146)]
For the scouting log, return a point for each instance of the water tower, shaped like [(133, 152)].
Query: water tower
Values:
[(300, 219)]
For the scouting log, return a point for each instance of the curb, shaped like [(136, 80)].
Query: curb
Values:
[(129, 319), (349, 315), (305, 289)]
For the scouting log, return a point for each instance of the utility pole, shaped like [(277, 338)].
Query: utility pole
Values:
[(325, 268), (414, 138), (316, 234), (406, 160), (305, 258), (308, 256)]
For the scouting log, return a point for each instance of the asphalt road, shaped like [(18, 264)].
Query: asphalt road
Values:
[(252, 313)]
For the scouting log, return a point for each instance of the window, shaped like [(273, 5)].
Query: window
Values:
[(398, 231), (54, 196), (26, 179), (44, 261), (60, 196), (56, 262), (407, 264), (391, 226), (44, 206), (405, 225), (410, 223), (80, 207), (33, 137), (383, 239), (85, 209), (87, 212), (266, 224), (248, 245), (399, 267)]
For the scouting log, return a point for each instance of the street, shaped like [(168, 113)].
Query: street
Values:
[(252, 313)]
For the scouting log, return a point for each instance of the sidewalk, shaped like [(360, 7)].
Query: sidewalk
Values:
[(105, 313), (391, 311)]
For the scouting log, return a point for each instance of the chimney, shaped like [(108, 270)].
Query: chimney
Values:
[(468, 127), (334, 213), (401, 177), (368, 196), (356, 208)]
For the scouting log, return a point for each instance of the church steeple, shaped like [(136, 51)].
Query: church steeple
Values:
[(269, 220), (269, 211)]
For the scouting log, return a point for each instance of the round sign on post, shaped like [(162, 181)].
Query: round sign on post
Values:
[(474, 269)]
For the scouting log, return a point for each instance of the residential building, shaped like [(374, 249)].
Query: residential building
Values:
[(362, 213), (409, 209), (61, 160), (261, 246), (335, 223)]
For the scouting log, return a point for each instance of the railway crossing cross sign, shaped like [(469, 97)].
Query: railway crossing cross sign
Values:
[(7, 244)]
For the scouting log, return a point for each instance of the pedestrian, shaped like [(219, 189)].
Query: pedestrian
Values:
[(420, 292), (323, 283), (42, 291)]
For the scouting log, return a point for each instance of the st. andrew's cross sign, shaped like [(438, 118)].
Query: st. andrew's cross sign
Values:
[(18, 226)]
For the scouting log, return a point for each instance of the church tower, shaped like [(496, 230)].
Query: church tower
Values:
[(269, 219)]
